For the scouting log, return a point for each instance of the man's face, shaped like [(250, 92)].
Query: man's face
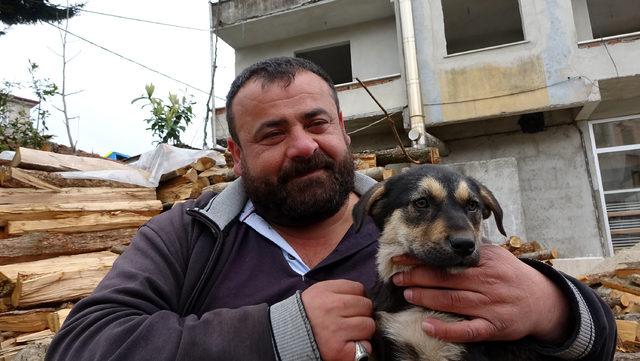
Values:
[(293, 154)]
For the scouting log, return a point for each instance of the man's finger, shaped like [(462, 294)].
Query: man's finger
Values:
[(467, 303), (344, 287), (475, 330)]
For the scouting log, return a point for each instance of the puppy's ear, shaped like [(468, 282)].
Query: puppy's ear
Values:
[(490, 205), (366, 203)]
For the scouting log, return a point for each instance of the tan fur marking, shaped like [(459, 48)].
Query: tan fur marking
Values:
[(405, 327), (434, 187), (486, 197), (463, 192)]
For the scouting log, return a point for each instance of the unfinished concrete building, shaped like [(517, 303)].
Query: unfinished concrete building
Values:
[(540, 99)]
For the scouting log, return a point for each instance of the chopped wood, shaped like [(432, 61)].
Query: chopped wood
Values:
[(514, 242), (627, 330), (26, 178), (25, 321), (218, 175), (57, 318), (39, 245), (422, 155), (628, 270), (55, 179), (47, 211), (54, 162), (30, 337), (92, 222), (7, 352), (364, 161), (191, 175), (9, 273), (203, 164), (618, 284), (44, 288), (541, 255), (635, 279), (179, 188), (5, 304), (76, 195)]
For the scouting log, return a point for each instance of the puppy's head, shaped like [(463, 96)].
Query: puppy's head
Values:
[(431, 213)]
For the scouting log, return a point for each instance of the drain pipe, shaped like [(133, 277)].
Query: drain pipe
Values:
[(418, 135)]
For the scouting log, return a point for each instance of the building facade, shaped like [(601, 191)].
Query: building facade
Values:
[(539, 100)]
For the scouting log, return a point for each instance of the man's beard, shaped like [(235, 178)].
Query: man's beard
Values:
[(300, 202)]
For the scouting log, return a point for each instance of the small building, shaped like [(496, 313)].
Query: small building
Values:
[(540, 99)]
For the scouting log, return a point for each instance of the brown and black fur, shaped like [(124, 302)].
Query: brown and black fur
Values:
[(433, 214)]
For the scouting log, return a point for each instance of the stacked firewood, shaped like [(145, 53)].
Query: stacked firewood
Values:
[(620, 288), (55, 234), (190, 181), (529, 249)]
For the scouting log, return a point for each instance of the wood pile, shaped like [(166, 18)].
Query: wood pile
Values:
[(529, 249), (55, 234), (620, 288)]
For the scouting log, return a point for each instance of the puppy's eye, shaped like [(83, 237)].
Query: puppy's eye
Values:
[(472, 206), (421, 203)]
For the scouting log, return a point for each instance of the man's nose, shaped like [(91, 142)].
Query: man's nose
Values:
[(301, 145)]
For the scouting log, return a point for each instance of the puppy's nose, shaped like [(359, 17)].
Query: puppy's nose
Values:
[(462, 246)]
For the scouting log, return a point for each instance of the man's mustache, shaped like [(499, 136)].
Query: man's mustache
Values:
[(299, 167)]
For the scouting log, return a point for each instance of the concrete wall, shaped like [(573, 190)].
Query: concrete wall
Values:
[(546, 71), (374, 53), (555, 189)]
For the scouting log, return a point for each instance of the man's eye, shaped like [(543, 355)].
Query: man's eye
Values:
[(472, 206), (317, 124), (421, 203)]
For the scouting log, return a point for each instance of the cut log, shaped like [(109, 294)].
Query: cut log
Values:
[(179, 188), (218, 175), (25, 321), (627, 330), (76, 195), (5, 303), (23, 177), (40, 245), (58, 265), (35, 336), (36, 289), (89, 223), (191, 175), (55, 179), (175, 173), (620, 285), (56, 319), (422, 155), (203, 164), (364, 161), (541, 255), (48, 211), (376, 173), (54, 162)]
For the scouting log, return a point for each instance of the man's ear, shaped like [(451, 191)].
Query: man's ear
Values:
[(236, 154), (347, 138)]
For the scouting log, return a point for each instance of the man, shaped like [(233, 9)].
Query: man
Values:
[(271, 268)]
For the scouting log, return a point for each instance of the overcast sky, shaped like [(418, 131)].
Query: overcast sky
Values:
[(107, 83)]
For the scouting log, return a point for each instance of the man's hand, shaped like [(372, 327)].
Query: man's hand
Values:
[(339, 314), (503, 298)]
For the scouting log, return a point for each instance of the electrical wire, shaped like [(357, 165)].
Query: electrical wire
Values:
[(142, 20), (133, 61)]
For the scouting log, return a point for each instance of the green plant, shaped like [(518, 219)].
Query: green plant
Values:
[(43, 89), (16, 127), (168, 120)]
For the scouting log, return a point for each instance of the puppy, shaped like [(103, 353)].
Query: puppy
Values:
[(433, 214)]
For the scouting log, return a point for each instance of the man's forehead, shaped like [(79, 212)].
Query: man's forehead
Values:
[(304, 80)]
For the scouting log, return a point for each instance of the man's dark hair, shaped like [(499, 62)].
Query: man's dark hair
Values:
[(280, 69)]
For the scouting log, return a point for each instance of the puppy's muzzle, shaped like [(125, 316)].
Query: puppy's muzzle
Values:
[(462, 246)]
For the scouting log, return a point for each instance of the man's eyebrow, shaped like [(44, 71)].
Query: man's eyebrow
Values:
[(273, 123), (315, 112)]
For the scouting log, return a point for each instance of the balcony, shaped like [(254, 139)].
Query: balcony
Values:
[(243, 23)]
